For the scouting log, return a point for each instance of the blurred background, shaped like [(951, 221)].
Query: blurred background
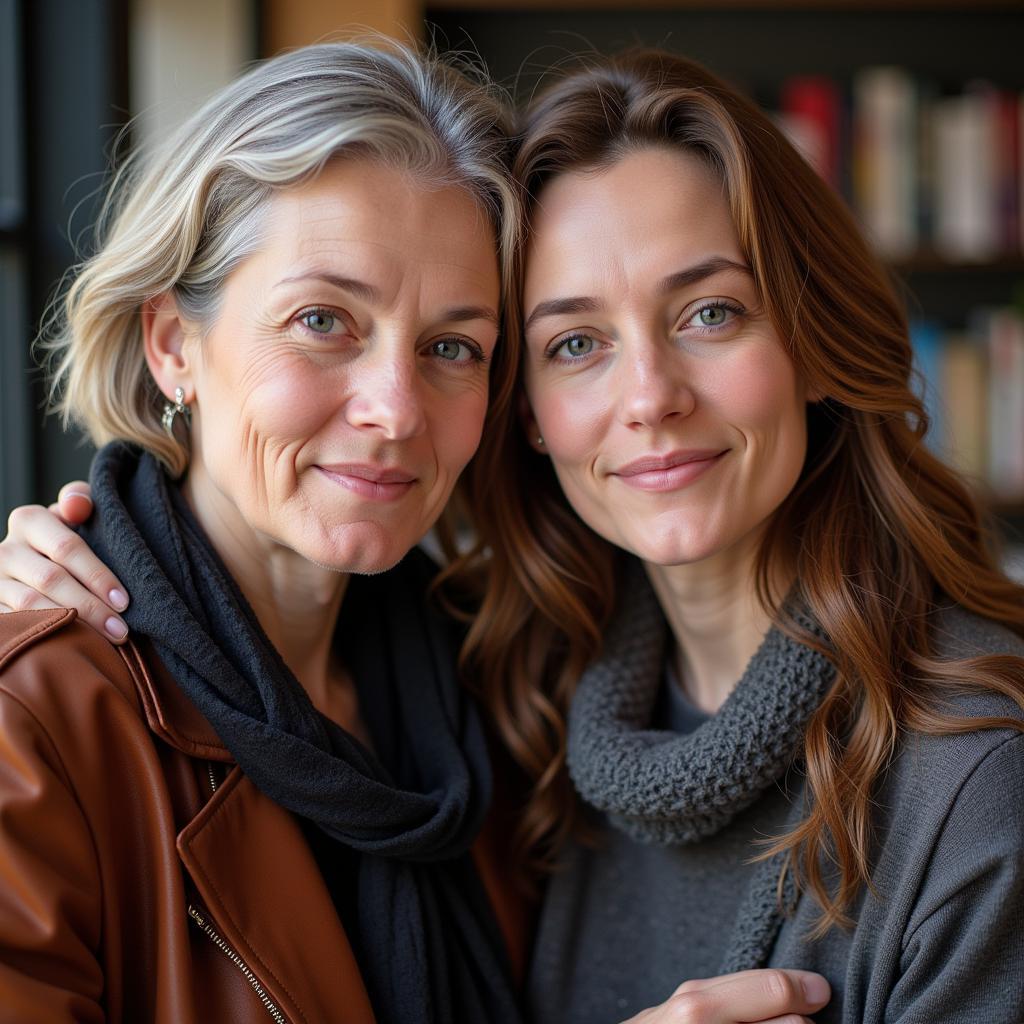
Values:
[(914, 111)]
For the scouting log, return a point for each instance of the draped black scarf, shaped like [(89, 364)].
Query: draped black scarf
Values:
[(426, 937)]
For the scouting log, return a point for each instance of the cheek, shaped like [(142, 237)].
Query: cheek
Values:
[(568, 417), (256, 413), (760, 395), (456, 428), (274, 388)]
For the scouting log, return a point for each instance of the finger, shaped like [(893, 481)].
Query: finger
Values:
[(752, 996), (804, 977), (29, 581), (74, 502), (33, 529), (16, 597)]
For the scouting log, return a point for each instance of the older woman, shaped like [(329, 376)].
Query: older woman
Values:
[(265, 805)]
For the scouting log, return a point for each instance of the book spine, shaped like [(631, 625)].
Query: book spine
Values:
[(1006, 404), (885, 127), (966, 217)]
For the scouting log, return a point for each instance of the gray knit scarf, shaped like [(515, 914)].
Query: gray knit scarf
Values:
[(661, 787)]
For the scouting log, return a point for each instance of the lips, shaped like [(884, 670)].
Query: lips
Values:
[(371, 481), (670, 471)]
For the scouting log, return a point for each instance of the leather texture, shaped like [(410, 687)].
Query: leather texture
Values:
[(120, 809)]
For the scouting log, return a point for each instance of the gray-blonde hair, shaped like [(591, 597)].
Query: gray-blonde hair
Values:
[(181, 217)]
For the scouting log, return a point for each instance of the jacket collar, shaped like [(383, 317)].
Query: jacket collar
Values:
[(169, 712)]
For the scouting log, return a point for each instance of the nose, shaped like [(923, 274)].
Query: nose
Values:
[(654, 383), (386, 394)]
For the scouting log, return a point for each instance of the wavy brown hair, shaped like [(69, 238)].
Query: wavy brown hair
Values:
[(877, 533)]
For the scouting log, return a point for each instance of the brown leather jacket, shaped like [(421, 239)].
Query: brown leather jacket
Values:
[(142, 876)]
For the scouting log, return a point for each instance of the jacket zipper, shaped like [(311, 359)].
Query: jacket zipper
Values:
[(211, 933), (213, 778)]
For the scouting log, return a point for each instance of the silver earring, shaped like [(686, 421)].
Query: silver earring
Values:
[(173, 409), (540, 441)]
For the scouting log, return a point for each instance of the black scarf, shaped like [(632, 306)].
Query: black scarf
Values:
[(429, 946)]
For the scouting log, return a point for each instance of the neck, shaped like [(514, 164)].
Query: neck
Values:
[(716, 620), (296, 602)]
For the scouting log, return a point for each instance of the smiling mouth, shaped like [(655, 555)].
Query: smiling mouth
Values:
[(669, 472), (374, 483)]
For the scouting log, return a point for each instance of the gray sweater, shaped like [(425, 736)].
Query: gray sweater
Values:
[(938, 938)]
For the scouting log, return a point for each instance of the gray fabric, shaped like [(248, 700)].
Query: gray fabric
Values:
[(939, 938), (624, 923), (663, 788), (673, 710)]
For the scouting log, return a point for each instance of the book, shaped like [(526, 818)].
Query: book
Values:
[(812, 115), (1004, 331), (963, 383), (966, 192), (928, 343), (885, 160)]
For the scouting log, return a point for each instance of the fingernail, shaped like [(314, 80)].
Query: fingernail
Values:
[(115, 628), (816, 988), (78, 494), (119, 599)]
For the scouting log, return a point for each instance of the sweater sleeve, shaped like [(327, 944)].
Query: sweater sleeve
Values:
[(963, 957), (49, 882)]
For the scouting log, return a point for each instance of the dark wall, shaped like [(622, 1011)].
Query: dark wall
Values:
[(69, 93)]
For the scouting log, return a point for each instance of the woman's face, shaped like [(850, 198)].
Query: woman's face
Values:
[(672, 415), (343, 387)]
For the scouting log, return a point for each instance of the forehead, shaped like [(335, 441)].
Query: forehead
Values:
[(655, 205), (386, 220)]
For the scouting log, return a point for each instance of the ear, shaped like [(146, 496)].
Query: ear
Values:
[(529, 422), (165, 334)]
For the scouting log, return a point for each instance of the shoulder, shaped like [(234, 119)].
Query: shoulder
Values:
[(958, 633), (51, 662), (933, 771)]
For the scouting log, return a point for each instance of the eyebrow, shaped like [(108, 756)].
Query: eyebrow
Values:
[(360, 289), (708, 268), (463, 313), (368, 293), (680, 279)]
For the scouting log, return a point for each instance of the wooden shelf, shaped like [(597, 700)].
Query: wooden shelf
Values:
[(933, 263)]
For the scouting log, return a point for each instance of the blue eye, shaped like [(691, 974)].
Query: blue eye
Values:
[(713, 315), (452, 350), (319, 321), (575, 347)]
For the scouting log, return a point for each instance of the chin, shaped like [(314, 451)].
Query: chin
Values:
[(365, 549), (680, 546)]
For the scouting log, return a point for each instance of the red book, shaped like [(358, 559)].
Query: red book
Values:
[(814, 103), (1008, 169)]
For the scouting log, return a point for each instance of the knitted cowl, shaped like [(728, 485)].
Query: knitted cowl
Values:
[(665, 788)]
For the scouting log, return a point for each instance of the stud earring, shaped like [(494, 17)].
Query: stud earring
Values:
[(540, 441), (173, 409)]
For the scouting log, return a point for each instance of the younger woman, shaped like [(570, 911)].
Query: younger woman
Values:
[(733, 598)]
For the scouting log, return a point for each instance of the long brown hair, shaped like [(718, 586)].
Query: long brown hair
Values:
[(877, 532)]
